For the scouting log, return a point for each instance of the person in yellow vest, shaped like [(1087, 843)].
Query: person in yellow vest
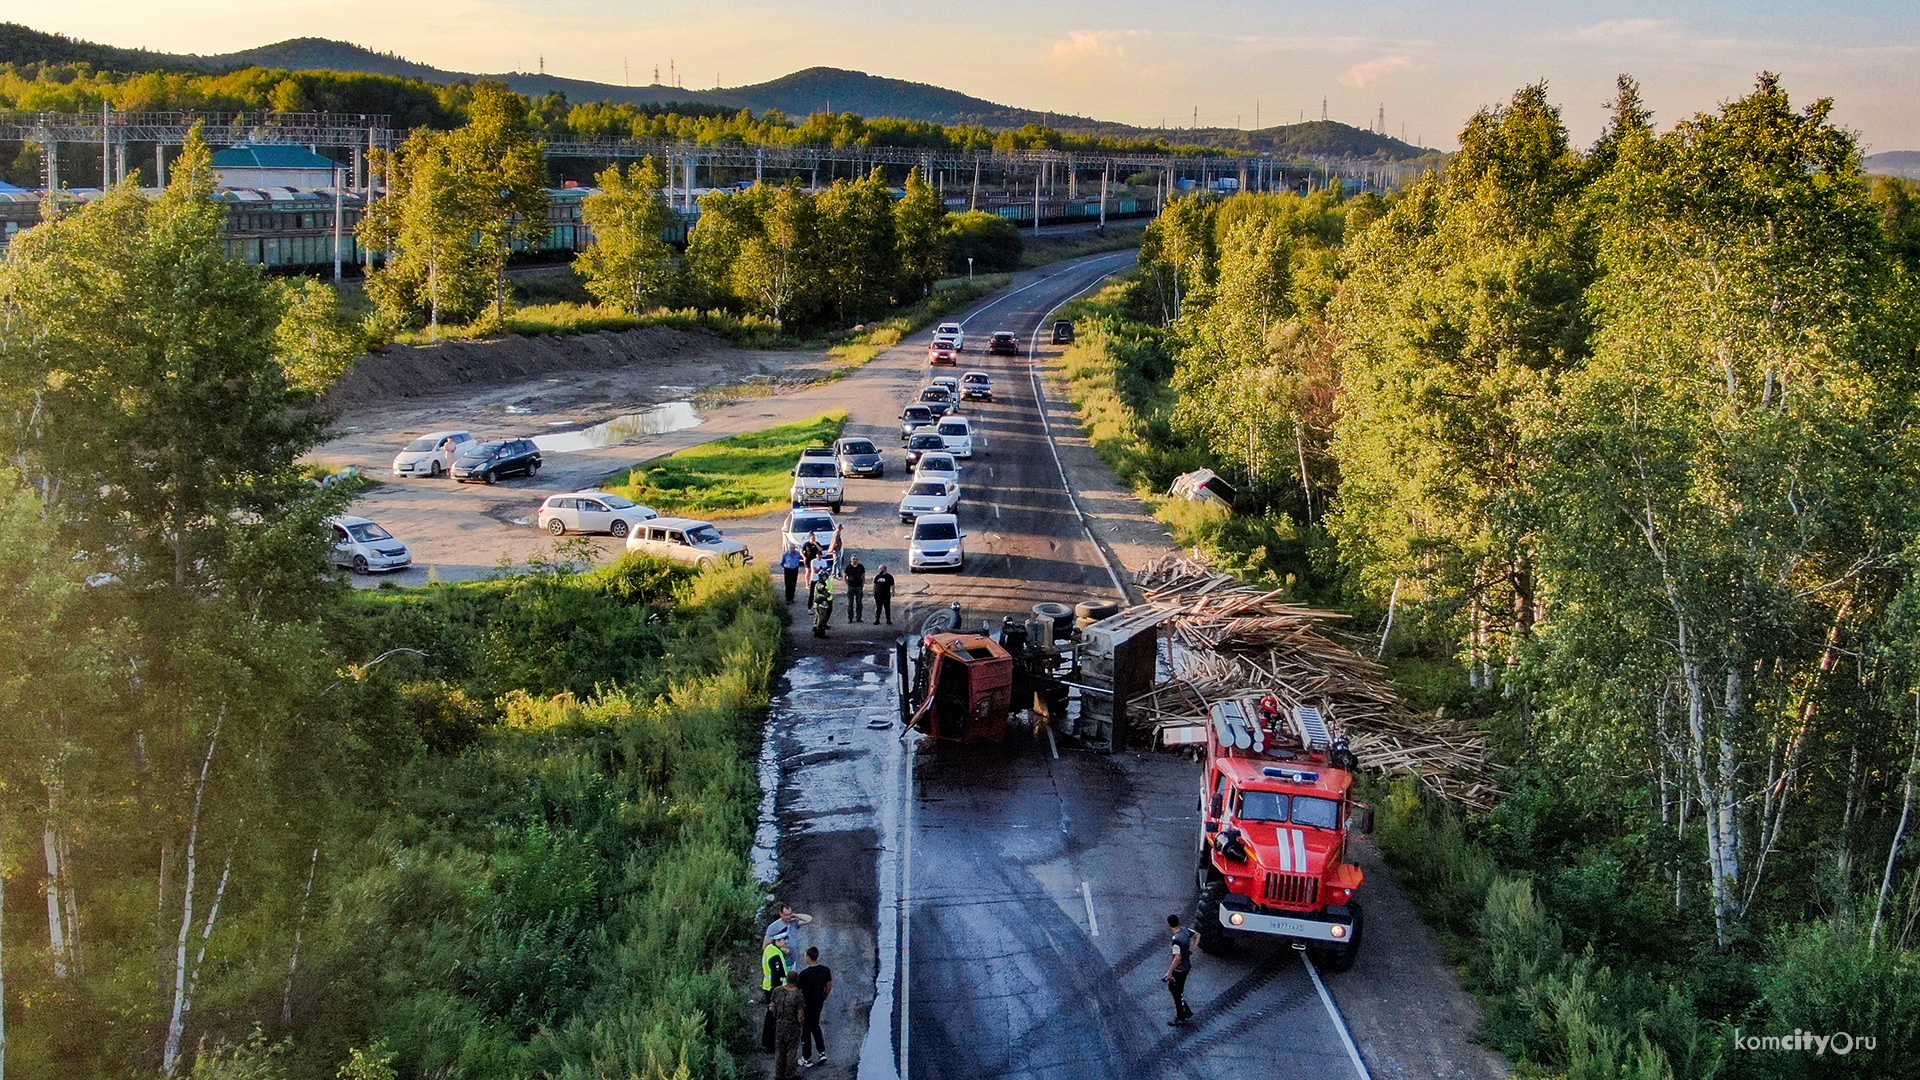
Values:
[(774, 959)]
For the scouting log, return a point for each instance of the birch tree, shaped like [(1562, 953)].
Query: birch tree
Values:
[(628, 265)]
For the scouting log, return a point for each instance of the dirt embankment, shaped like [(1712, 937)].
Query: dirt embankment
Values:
[(401, 372)]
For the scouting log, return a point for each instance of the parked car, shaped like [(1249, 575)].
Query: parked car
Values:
[(937, 400), (976, 386), (925, 440), (928, 497), (914, 417), (942, 353), (802, 522), (817, 482), (951, 334), (1063, 332), (937, 465), (686, 540), (957, 434), (366, 547), (592, 511), (487, 462), (859, 457), (431, 454), (936, 542), (1003, 343)]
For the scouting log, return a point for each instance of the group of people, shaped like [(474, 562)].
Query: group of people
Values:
[(795, 997), (821, 565)]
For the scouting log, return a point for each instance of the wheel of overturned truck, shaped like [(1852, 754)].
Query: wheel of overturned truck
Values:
[(1215, 940), (1342, 958)]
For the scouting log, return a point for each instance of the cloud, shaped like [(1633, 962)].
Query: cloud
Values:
[(1620, 30), (1080, 46), (1372, 71)]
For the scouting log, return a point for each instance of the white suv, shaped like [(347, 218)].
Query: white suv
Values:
[(950, 334), (817, 482), (957, 435), (686, 540)]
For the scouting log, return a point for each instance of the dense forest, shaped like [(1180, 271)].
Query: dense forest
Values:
[(1615, 449)]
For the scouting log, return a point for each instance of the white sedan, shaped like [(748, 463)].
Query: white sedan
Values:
[(929, 497), (802, 523), (937, 466)]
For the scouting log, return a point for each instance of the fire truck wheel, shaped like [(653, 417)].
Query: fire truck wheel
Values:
[(1342, 959), (1215, 940)]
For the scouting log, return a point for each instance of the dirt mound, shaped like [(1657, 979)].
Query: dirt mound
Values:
[(400, 372)]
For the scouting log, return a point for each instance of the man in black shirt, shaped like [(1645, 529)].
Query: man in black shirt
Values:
[(883, 596), (816, 982), (856, 575), (1181, 964)]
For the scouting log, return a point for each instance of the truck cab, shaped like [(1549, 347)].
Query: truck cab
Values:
[(1277, 806)]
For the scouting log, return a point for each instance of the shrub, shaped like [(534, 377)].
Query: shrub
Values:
[(992, 241)]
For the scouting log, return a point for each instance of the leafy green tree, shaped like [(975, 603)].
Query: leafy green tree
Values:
[(727, 220), (315, 341), (425, 224), (980, 242), (919, 223), (1179, 253), (628, 264), (503, 169), (860, 247), (778, 268)]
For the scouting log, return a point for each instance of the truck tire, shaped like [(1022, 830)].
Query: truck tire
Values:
[(1342, 958), (1092, 611), (1215, 940)]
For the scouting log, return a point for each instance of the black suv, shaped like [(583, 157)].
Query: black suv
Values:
[(487, 462), (1003, 343)]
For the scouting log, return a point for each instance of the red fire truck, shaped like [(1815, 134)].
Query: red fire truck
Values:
[(1277, 804)]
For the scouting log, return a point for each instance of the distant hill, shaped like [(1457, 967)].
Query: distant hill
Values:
[(811, 90), (1895, 163)]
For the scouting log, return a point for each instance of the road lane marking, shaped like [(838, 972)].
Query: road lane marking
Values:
[(1051, 745), (1339, 1022), (1093, 923)]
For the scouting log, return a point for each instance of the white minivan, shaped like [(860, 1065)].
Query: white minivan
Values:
[(935, 543), (592, 511), (431, 454), (364, 547), (957, 436)]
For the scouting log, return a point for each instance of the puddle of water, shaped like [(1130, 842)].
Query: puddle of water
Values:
[(658, 420)]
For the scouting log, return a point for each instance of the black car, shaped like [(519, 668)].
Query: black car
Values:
[(1063, 332), (925, 442), (937, 399), (487, 462), (859, 457), (915, 416), (1003, 343)]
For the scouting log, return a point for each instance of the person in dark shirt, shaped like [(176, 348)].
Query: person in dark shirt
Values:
[(815, 981), (883, 595), (789, 1019), (856, 575), (1179, 965)]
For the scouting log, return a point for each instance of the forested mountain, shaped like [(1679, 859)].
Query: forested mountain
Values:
[(1895, 163), (812, 90)]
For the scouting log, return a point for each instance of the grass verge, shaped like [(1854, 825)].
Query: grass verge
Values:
[(738, 476), (1052, 249), (947, 297)]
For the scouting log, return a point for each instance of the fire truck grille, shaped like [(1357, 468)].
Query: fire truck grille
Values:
[(1294, 890)]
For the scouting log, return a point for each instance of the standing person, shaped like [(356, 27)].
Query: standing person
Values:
[(883, 595), (822, 603), (790, 564), (1184, 941), (788, 922), (856, 576), (789, 1012), (815, 980), (809, 551), (773, 973)]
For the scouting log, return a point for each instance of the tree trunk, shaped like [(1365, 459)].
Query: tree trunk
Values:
[(1393, 604), (56, 912), (299, 927), (1899, 831), (176, 1024), (3, 964), (1306, 478)]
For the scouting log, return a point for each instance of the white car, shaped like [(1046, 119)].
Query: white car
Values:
[(686, 540), (928, 497), (817, 482), (592, 511), (950, 334), (802, 522), (431, 454), (957, 436), (366, 547), (935, 543), (937, 466)]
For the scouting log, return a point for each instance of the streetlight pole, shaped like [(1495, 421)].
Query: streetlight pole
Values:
[(969, 268)]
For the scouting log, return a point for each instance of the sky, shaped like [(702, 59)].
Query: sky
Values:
[(1228, 62)]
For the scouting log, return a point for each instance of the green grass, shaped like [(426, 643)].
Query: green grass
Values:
[(947, 297), (570, 317), (739, 476), (1052, 249)]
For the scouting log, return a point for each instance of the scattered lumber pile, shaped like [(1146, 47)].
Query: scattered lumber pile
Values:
[(1235, 639)]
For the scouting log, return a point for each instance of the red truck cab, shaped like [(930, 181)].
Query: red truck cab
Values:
[(1277, 804)]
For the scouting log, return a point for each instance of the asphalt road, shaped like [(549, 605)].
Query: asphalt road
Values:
[(1006, 905)]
